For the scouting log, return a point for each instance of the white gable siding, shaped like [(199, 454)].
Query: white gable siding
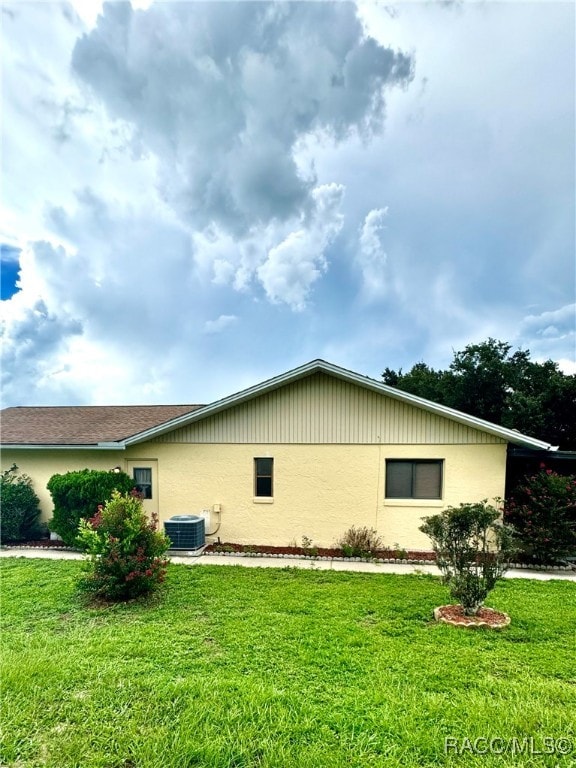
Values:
[(322, 409)]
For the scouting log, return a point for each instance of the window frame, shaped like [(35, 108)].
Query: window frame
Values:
[(149, 485), (260, 475), (414, 462)]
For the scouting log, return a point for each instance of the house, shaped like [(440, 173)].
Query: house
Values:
[(310, 453)]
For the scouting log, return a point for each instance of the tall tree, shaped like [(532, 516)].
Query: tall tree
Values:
[(490, 381)]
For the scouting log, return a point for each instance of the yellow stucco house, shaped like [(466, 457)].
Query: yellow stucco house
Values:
[(308, 453)]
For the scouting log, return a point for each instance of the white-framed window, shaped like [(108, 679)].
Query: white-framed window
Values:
[(414, 478), (264, 477), (143, 481)]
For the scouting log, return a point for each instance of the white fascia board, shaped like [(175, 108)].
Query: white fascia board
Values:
[(316, 366)]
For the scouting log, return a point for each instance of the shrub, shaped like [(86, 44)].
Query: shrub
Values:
[(77, 494), (126, 552), (20, 507), (472, 550), (542, 508), (359, 542)]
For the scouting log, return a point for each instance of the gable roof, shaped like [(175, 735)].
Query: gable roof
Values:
[(108, 434), (85, 425)]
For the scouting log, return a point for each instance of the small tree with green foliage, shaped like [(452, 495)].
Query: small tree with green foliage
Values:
[(126, 552), (19, 507), (542, 508), (77, 494), (472, 549)]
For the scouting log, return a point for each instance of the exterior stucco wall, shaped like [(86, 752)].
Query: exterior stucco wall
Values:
[(40, 465), (319, 490)]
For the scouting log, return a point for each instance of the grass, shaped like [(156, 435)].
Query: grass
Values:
[(242, 667)]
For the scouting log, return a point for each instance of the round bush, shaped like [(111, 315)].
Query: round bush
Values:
[(76, 495)]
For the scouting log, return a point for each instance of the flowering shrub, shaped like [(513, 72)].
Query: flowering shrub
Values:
[(473, 550), (126, 552), (543, 510)]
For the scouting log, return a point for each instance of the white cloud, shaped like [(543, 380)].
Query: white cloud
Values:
[(372, 257), (567, 367), (285, 259), (220, 324), (173, 166), (294, 265), (245, 85), (551, 335)]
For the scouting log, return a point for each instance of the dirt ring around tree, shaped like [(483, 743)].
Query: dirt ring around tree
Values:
[(486, 617)]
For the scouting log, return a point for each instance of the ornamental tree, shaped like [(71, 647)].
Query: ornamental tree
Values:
[(473, 550)]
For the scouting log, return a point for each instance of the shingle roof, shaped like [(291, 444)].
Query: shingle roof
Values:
[(83, 425)]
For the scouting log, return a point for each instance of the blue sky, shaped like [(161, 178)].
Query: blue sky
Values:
[(197, 196)]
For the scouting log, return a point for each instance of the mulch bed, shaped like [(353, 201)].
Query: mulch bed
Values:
[(486, 617), (384, 554), (231, 548)]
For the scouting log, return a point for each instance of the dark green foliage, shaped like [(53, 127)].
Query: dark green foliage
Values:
[(472, 550), (542, 508), (489, 381), (20, 507), (359, 542), (125, 549), (76, 495)]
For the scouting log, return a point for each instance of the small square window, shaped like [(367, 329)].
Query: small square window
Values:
[(263, 477), (414, 479)]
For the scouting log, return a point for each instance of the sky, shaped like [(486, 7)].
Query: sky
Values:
[(198, 196)]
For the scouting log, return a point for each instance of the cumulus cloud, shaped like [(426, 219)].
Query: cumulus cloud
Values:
[(32, 338), (299, 260), (98, 294), (223, 92), (284, 259), (552, 334), (372, 257), (220, 324)]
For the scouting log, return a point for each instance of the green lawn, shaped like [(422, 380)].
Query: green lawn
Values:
[(279, 667)]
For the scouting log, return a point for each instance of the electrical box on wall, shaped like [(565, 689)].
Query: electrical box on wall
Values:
[(216, 507)]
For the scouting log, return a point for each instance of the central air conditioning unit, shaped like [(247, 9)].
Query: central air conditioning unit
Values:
[(185, 531)]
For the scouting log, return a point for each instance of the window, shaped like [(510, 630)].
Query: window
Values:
[(263, 472), (414, 479), (143, 481)]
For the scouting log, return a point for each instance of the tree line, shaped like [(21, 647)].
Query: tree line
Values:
[(506, 387)]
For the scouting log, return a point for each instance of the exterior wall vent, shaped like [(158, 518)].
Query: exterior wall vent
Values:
[(185, 531)]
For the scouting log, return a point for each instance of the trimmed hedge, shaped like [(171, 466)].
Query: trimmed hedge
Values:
[(77, 495), (19, 507)]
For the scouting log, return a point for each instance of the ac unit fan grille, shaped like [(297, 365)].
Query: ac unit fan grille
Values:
[(185, 531)]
